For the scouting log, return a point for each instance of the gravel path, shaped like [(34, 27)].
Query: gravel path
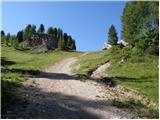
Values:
[(55, 93)]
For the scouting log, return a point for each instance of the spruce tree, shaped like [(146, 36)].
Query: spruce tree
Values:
[(7, 39), (41, 29), (112, 36), (74, 45), (50, 31), (60, 38), (13, 40), (26, 34), (2, 33), (2, 36), (55, 32), (32, 30), (19, 36), (65, 37)]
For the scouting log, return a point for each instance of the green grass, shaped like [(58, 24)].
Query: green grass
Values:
[(136, 107), (16, 63), (138, 72), (90, 61), (141, 76), (28, 60)]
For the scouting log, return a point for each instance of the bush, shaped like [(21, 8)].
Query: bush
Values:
[(116, 48), (153, 50), (137, 52), (126, 52)]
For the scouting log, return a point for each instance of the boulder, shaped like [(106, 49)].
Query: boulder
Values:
[(40, 41)]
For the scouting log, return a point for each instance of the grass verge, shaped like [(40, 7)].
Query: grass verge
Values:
[(136, 107)]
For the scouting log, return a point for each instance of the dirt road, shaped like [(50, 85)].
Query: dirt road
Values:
[(56, 93)]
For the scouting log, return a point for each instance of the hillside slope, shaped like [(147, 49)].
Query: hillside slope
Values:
[(57, 89), (137, 73), (17, 66), (56, 93)]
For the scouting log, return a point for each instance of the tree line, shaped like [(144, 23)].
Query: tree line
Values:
[(65, 41), (140, 26)]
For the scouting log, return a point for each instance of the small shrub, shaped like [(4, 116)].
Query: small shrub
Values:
[(116, 48), (152, 50), (136, 52), (126, 52)]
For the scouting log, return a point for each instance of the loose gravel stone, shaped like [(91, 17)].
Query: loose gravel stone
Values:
[(57, 93)]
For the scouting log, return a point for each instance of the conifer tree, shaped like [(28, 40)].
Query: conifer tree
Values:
[(41, 29), (140, 25), (112, 36)]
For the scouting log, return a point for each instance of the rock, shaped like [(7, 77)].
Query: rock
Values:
[(40, 42), (122, 61)]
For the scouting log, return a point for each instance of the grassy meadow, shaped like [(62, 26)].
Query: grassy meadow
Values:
[(17, 66)]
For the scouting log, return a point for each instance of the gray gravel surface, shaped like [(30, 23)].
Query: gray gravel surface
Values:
[(56, 93)]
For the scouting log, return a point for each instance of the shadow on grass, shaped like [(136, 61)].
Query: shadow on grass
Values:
[(5, 62), (113, 81), (129, 79), (8, 95), (41, 74)]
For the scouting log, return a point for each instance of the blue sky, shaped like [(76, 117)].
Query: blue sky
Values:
[(86, 22)]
